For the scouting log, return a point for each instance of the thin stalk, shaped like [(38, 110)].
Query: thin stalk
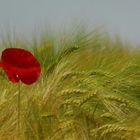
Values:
[(19, 107)]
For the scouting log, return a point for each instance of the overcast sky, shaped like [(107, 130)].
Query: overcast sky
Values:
[(117, 16)]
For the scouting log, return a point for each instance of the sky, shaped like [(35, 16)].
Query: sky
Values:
[(115, 16)]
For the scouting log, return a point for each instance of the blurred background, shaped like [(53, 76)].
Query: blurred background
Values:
[(29, 16)]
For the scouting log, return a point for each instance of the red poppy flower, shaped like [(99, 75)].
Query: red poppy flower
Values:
[(20, 64)]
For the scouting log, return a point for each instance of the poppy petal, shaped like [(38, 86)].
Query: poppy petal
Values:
[(20, 64)]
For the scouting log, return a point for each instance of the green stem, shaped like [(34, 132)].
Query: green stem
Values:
[(19, 108)]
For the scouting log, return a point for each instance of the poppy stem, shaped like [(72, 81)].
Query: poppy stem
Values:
[(19, 108)]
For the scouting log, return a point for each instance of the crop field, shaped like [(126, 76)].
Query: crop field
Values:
[(89, 89)]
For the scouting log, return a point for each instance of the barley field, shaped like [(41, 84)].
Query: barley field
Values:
[(89, 89)]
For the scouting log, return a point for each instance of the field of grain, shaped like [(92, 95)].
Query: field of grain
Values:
[(89, 89)]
